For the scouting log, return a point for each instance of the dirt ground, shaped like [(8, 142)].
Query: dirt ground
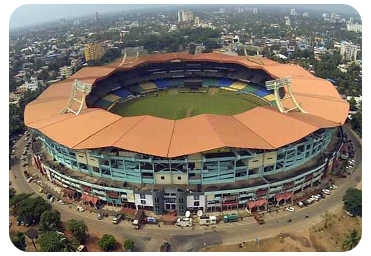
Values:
[(316, 239)]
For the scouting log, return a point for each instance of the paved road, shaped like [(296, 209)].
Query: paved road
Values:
[(150, 237)]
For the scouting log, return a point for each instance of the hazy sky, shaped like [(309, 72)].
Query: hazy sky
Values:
[(38, 13)]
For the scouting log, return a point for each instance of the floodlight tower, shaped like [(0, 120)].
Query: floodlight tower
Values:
[(275, 85), (85, 89)]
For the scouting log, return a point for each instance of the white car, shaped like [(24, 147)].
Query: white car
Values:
[(326, 191), (300, 204), (61, 202), (80, 209), (333, 186), (348, 213), (29, 179), (290, 209), (315, 198)]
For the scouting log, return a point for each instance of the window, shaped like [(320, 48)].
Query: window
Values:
[(179, 177), (157, 200), (197, 203), (181, 200), (142, 196), (196, 197), (143, 201), (162, 177)]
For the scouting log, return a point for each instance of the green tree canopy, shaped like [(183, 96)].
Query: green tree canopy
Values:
[(19, 241), (107, 242), (78, 228), (30, 209), (52, 241), (353, 201), (11, 192), (50, 221), (351, 241), (129, 244)]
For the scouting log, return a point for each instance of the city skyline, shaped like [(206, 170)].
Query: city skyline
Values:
[(28, 15)]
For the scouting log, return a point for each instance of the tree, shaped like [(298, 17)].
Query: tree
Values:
[(52, 241), (19, 241), (78, 229), (50, 221), (107, 242), (18, 198), (353, 104), (30, 209), (351, 240), (129, 245), (11, 192), (353, 201)]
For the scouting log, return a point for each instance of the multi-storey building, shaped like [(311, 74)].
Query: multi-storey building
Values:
[(93, 52)]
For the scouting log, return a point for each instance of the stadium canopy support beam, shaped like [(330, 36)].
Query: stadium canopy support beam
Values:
[(84, 88), (275, 85), (126, 58), (253, 48)]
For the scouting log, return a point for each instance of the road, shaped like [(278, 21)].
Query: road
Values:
[(150, 237)]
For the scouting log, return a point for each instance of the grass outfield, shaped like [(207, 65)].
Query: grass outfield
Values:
[(177, 106)]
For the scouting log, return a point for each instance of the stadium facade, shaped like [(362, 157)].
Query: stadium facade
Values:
[(211, 162)]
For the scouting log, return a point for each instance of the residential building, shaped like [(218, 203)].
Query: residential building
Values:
[(348, 51), (185, 16), (65, 71), (93, 52)]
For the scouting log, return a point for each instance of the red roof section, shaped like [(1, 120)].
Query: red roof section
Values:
[(260, 128)]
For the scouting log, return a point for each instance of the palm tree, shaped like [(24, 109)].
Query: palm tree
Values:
[(69, 245), (351, 240)]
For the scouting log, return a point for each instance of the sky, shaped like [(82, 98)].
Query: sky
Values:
[(29, 14)]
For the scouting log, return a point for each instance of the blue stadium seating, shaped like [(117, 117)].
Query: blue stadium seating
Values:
[(262, 92), (224, 82), (162, 83), (122, 93)]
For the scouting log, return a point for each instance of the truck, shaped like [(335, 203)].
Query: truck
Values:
[(116, 219), (184, 222), (207, 220), (230, 218), (258, 218), (151, 220), (138, 219)]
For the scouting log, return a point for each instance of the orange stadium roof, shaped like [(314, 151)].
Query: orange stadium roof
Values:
[(259, 128)]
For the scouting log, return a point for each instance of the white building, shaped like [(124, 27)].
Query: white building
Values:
[(354, 27), (348, 51), (65, 71), (287, 21), (197, 21), (292, 12), (185, 16), (255, 11), (32, 85)]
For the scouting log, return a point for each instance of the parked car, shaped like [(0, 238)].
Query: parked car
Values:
[(322, 195), (29, 179), (51, 200), (61, 202), (290, 209), (326, 191), (333, 186), (349, 214), (314, 198), (301, 204), (99, 216), (10, 223), (79, 208)]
